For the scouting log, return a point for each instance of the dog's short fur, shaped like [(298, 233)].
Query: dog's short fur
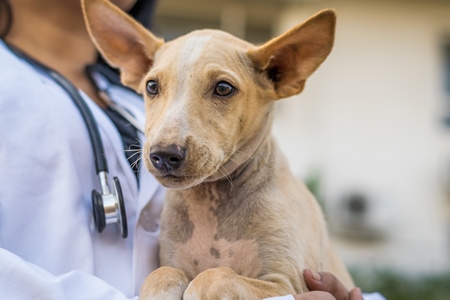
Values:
[(236, 224)]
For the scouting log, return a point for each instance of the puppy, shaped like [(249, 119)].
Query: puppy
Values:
[(236, 224)]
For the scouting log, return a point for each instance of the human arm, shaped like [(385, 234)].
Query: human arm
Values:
[(49, 248), (22, 280), (327, 283), (325, 286)]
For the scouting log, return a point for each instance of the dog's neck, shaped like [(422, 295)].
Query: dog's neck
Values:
[(245, 179), (217, 206), (259, 162), (245, 153)]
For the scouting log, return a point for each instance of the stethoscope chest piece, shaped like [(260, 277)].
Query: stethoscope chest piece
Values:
[(109, 207)]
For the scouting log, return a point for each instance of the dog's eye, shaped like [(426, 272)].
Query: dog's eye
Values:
[(152, 88), (224, 89)]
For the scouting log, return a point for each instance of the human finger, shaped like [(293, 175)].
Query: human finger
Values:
[(355, 294), (325, 282), (317, 295)]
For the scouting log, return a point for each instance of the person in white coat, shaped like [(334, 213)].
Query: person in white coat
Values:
[(49, 245)]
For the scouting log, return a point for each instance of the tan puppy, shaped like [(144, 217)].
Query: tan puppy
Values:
[(237, 224)]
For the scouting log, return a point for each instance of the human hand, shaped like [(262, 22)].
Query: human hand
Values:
[(325, 286)]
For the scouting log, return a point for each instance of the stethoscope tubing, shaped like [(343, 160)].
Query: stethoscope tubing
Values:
[(97, 146), (109, 205), (101, 164)]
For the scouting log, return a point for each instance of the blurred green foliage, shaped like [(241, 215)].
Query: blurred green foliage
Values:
[(313, 182), (391, 284), (397, 286)]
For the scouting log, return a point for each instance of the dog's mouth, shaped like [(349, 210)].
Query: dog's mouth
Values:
[(186, 178), (178, 182), (192, 170), (173, 177), (176, 179), (170, 176)]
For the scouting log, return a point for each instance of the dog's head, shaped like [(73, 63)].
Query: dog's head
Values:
[(208, 94)]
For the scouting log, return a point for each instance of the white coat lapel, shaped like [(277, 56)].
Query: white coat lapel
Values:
[(113, 138)]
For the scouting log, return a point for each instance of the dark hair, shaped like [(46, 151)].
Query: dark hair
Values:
[(6, 11), (142, 11)]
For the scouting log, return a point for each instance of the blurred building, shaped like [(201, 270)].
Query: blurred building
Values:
[(371, 129)]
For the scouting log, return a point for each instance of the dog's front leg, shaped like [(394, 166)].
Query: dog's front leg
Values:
[(224, 284), (165, 283)]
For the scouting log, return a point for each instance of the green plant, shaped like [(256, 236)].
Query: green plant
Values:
[(313, 182), (398, 286)]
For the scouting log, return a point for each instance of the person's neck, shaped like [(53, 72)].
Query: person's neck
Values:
[(56, 37)]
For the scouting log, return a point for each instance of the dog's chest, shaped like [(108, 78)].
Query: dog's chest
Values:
[(208, 248)]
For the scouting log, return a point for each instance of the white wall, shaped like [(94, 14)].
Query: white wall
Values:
[(370, 119)]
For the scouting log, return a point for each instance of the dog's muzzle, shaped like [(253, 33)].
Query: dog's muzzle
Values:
[(167, 159)]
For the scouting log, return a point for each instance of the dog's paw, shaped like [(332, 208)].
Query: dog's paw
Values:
[(217, 284), (165, 283)]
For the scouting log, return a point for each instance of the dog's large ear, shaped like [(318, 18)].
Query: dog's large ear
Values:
[(123, 42), (289, 59)]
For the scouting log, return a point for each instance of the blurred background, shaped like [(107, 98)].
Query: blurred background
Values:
[(371, 132)]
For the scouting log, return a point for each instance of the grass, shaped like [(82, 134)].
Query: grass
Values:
[(397, 286)]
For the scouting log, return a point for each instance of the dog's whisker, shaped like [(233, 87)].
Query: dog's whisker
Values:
[(131, 156), (225, 174), (242, 152), (233, 160), (135, 147), (228, 177), (137, 160), (136, 163)]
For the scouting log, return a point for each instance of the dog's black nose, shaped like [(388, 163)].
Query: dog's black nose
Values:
[(167, 158)]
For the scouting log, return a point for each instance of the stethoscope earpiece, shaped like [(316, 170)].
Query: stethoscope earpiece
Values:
[(109, 207)]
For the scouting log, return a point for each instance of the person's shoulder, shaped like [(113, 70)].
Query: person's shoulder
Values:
[(18, 79), (12, 66)]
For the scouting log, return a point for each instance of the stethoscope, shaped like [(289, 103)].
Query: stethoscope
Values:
[(108, 205)]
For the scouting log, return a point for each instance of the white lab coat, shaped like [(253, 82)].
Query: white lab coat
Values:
[(49, 248)]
